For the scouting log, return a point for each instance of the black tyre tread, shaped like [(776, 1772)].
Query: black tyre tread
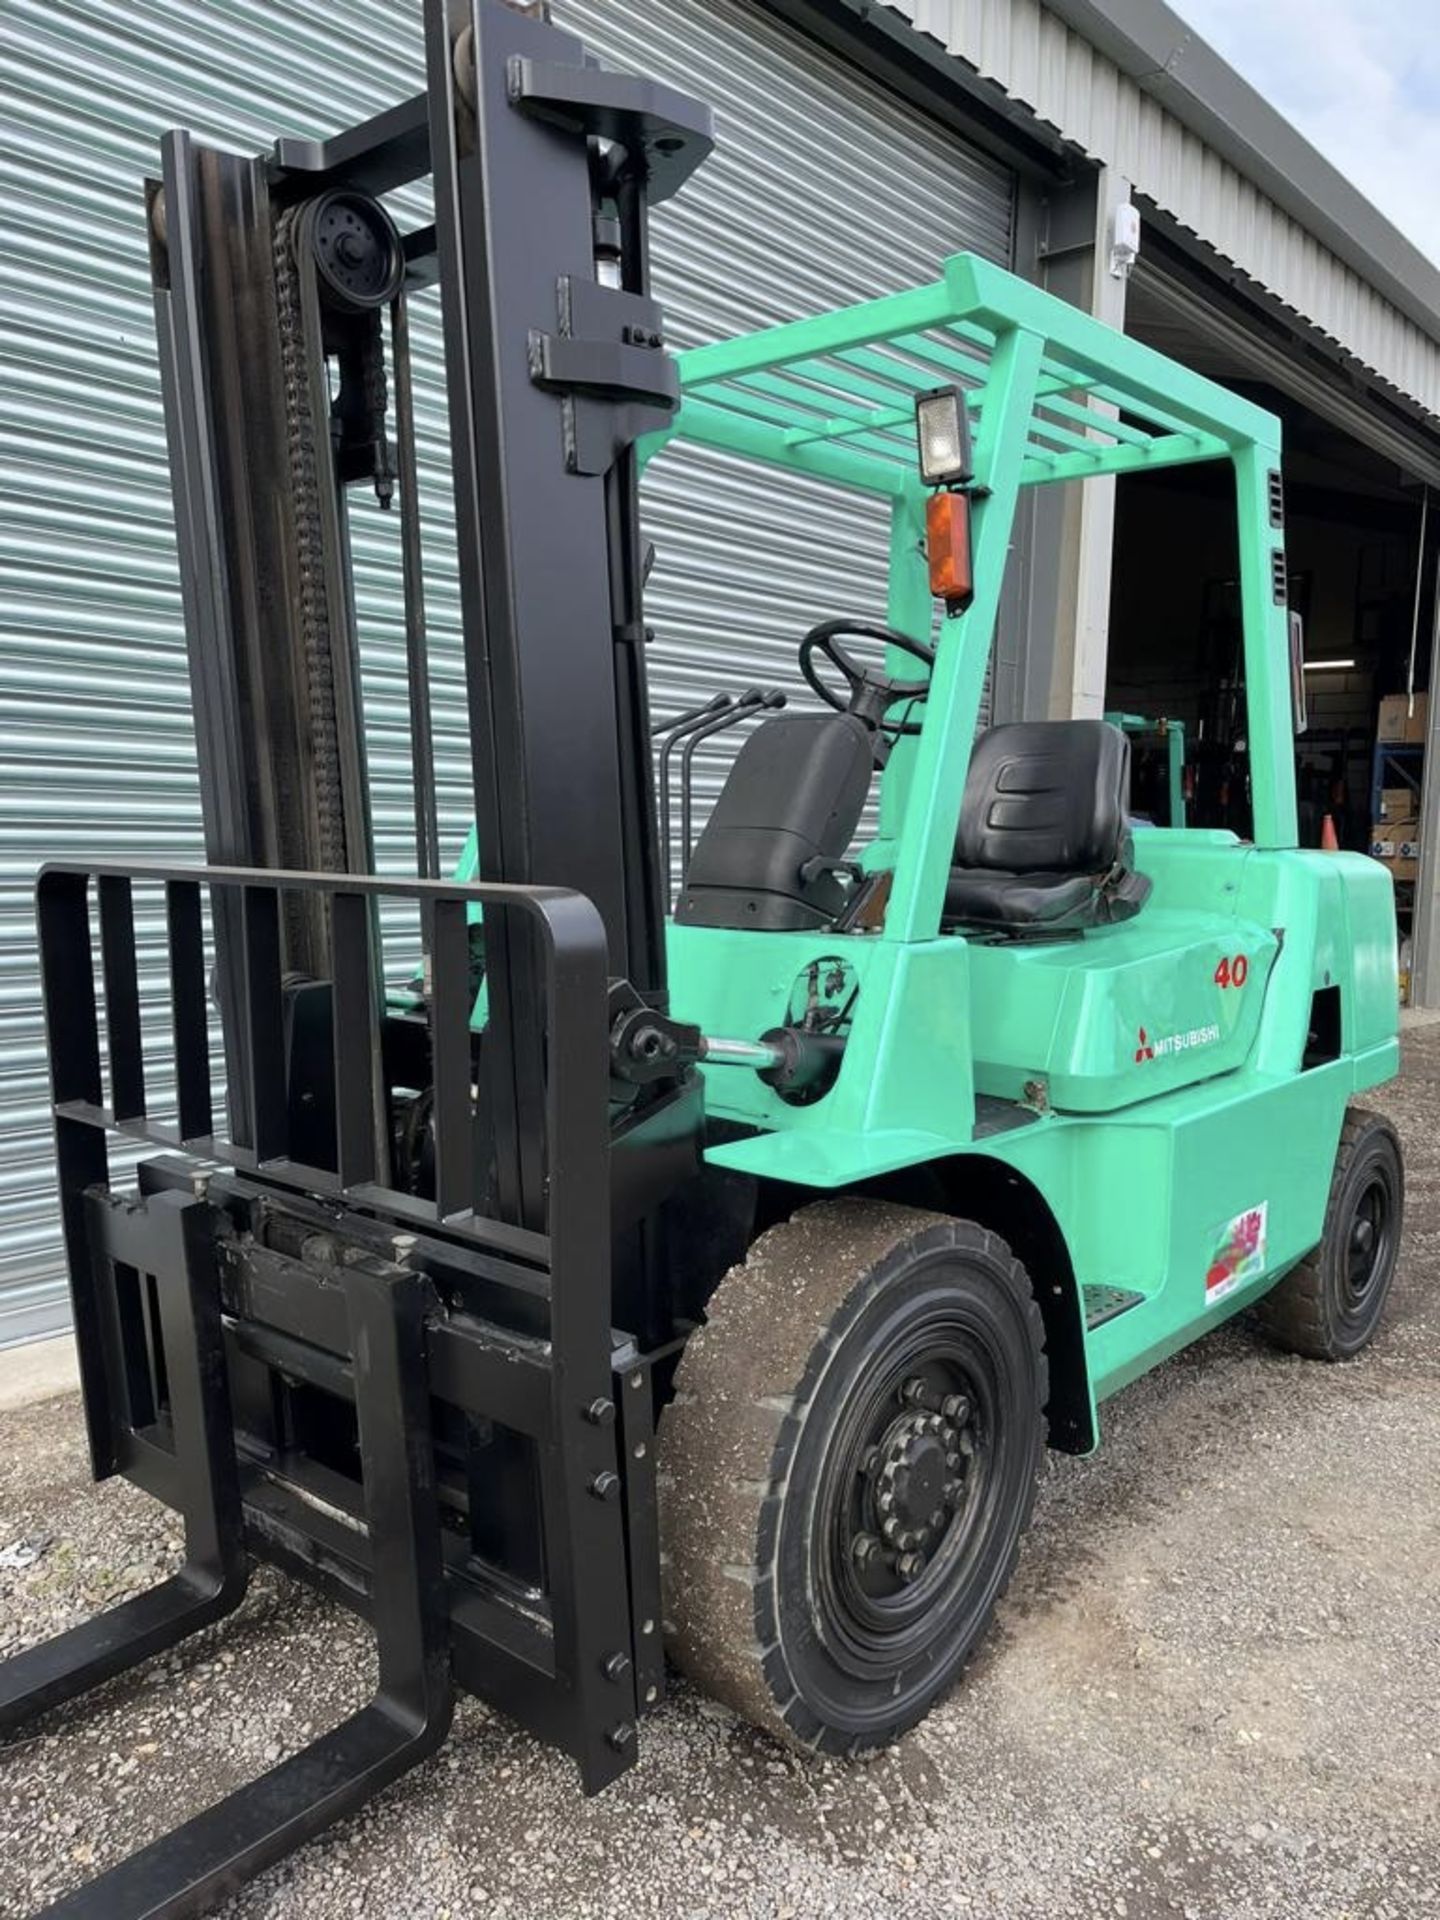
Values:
[(726, 1440), (1293, 1314)]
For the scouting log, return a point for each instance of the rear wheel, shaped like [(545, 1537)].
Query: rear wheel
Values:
[(847, 1468), (1329, 1306)]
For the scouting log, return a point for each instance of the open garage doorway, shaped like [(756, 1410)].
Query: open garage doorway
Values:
[(1354, 516)]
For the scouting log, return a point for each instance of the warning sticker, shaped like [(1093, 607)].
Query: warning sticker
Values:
[(1239, 1253)]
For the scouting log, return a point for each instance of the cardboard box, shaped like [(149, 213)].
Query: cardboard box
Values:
[(1395, 840), (1396, 722), (1398, 837), (1398, 804), (1402, 857)]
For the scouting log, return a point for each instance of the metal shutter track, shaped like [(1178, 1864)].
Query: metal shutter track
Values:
[(824, 189)]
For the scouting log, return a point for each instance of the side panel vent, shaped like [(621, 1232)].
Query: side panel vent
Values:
[(1276, 487), (1278, 582)]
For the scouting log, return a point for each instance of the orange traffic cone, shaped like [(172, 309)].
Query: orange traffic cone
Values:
[(1328, 841)]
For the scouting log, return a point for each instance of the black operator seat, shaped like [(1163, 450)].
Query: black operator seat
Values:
[(788, 811), (1044, 844)]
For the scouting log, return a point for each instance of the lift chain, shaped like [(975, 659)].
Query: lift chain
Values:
[(314, 609), (377, 402)]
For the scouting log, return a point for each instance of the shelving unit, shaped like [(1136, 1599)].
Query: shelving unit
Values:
[(1402, 759), (1398, 763)]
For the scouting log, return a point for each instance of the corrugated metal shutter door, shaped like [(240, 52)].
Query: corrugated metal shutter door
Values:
[(825, 189)]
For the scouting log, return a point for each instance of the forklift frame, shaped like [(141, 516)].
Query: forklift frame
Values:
[(834, 396)]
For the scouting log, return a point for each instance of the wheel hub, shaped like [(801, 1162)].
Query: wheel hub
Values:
[(915, 1482), (1366, 1238)]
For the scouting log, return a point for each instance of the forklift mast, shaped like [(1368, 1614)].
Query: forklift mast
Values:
[(273, 273), (385, 1309)]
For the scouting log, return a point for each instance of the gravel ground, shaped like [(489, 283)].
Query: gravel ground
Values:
[(1211, 1694)]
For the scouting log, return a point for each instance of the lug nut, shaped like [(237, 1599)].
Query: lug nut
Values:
[(866, 1549), (913, 1391), (955, 1407), (910, 1566)]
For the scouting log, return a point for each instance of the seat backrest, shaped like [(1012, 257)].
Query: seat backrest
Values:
[(1045, 796), (794, 796)]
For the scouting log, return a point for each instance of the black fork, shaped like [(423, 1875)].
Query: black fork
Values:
[(186, 1871)]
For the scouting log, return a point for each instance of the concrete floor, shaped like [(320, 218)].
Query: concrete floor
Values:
[(1212, 1692)]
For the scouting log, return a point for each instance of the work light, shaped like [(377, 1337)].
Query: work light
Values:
[(942, 435), (942, 430)]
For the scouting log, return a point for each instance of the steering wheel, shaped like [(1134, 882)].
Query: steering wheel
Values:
[(871, 693)]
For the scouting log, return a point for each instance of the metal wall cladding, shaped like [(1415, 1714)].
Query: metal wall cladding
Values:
[(1041, 62), (824, 189)]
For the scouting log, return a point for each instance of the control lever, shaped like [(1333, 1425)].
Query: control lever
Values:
[(682, 720), (693, 726), (674, 731)]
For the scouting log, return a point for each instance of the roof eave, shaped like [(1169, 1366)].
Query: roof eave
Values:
[(1169, 60)]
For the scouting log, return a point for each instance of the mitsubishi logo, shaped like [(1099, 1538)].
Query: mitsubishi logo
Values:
[(1164, 1044)]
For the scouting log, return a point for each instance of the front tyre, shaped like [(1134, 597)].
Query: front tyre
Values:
[(1329, 1306), (847, 1469)]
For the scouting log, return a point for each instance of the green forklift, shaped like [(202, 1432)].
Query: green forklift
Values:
[(1054, 1096), (710, 1279), (1166, 737)]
